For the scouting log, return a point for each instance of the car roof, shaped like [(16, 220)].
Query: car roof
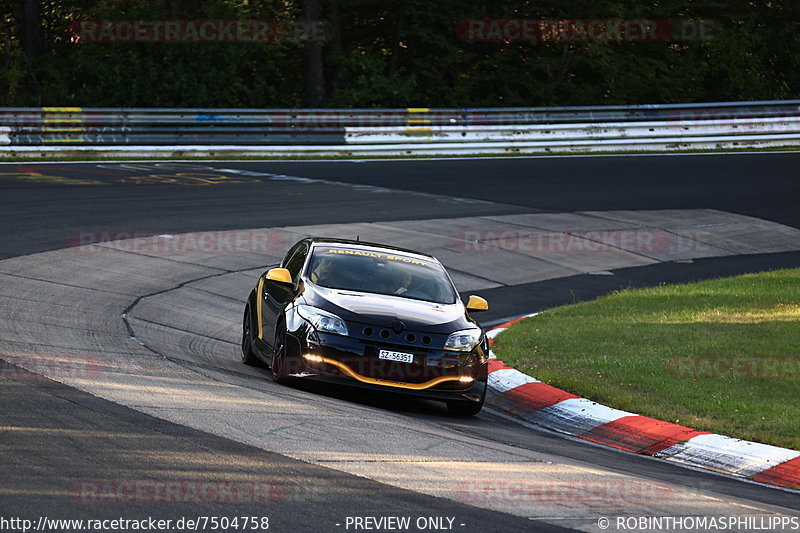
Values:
[(366, 245)]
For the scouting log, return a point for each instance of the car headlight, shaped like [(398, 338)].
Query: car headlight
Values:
[(322, 320), (463, 341)]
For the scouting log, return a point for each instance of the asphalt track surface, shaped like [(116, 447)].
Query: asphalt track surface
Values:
[(99, 439)]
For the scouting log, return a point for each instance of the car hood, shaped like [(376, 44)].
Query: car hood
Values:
[(382, 310)]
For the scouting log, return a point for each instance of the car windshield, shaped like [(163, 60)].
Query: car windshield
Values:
[(381, 272)]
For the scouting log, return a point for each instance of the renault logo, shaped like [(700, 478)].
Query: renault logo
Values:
[(398, 326)]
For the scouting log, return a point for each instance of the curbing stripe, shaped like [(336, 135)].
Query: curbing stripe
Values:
[(578, 415), (494, 333), (506, 379), (785, 475), (526, 400), (542, 404), (640, 434), (726, 454), (496, 364)]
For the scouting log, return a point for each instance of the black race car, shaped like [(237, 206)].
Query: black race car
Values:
[(368, 315)]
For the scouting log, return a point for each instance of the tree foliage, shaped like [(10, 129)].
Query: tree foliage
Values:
[(374, 53)]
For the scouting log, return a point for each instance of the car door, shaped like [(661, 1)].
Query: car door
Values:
[(277, 295)]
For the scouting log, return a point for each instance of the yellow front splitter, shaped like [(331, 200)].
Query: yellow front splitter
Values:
[(385, 382)]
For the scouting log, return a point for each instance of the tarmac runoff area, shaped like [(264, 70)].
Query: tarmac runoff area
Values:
[(153, 323)]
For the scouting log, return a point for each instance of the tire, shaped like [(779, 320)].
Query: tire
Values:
[(467, 408), (462, 408), (248, 357), (279, 364)]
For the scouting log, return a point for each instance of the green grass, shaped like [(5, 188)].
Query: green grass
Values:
[(720, 356)]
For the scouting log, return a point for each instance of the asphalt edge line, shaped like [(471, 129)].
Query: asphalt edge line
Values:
[(525, 397)]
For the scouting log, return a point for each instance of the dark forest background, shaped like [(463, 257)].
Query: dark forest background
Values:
[(395, 54)]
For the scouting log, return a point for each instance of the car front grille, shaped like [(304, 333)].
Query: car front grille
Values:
[(418, 340)]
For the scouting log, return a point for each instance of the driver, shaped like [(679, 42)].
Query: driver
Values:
[(323, 271), (405, 283)]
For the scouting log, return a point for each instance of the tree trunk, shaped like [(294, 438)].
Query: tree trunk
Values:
[(397, 36), (333, 45), (313, 75), (30, 23)]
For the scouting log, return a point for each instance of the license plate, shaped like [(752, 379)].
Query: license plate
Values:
[(396, 356)]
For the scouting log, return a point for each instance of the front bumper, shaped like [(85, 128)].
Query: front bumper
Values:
[(433, 374)]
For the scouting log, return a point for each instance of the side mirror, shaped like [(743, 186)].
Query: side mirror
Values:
[(476, 303), (279, 274)]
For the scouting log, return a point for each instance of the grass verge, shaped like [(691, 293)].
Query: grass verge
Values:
[(720, 355)]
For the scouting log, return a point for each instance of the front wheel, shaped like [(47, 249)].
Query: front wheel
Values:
[(248, 357), (463, 408), (280, 373)]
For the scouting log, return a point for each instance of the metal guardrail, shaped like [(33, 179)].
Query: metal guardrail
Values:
[(399, 131)]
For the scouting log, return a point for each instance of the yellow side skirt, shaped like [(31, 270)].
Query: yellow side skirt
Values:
[(259, 298)]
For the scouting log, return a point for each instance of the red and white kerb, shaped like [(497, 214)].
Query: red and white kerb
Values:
[(544, 405)]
